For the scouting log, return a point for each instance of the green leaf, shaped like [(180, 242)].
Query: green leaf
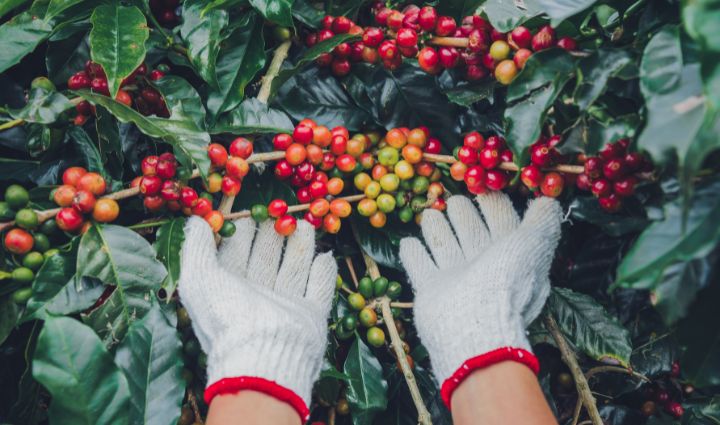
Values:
[(8, 5), (17, 169), (19, 37), (180, 130), (589, 135), (676, 289), (382, 244), (86, 386), (43, 107), (559, 10), (168, 241), (505, 15), (109, 143), (589, 327), (458, 9), (122, 258), (700, 18), (367, 389), (56, 7), (117, 41), (662, 64), (151, 358), (88, 150), (8, 317), (668, 241), (277, 11), (304, 12), (531, 94), (241, 57), (309, 56), (202, 33), (253, 117), (699, 338), (64, 57), (594, 71), (467, 94), (261, 189), (54, 275)]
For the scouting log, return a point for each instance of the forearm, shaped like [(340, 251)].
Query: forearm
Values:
[(505, 393), (250, 408)]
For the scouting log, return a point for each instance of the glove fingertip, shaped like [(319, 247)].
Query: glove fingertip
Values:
[(544, 214), (415, 259), (321, 283)]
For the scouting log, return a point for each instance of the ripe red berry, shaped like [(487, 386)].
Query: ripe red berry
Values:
[(282, 141), (283, 169), (218, 154), (634, 161), (610, 203), (327, 22), (92, 182), (675, 369), (153, 202), (241, 147), (372, 37), (84, 201), (520, 37), (593, 167), (489, 158), (170, 190), (150, 185), (552, 185), (675, 409), (188, 197), (625, 187), (496, 179), (166, 169), (541, 156), (601, 188), (448, 57), (318, 189), (531, 176), (79, 80), (495, 142), (277, 208), (388, 50), (583, 182), (341, 25), (615, 169), (567, 43), (520, 57), (202, 207), (474, 176), (100, 85), (303, 134), (67, 219), (305, 171), (149, 165), (230, 186), (478, 41), (314, 221), (285, 225), (506, 155), (445, 26), (407, 37), (18, 241), (612, 150), (543, 39), (467, 155), (151, 96), (427, 18), (433, 146), (474, 140), (428, 60), (295, 154), (340, 67), (72, 175)]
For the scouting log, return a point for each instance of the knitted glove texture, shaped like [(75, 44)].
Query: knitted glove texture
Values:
[(486, 280), (257, 309)]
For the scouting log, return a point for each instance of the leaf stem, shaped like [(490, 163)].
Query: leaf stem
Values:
[(11, 124)]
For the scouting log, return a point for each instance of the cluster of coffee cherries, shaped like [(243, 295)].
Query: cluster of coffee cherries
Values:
[(667, 393), (544, 154), (613, 174), (409, 33), (163, 186), (363, 314), (79, 196), (135, 90), (479, 163), (166, 11), (27, 241)]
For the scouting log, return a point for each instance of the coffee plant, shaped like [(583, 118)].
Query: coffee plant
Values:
[(120, 119)]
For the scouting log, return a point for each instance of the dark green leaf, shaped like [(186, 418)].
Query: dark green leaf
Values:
[(381, 244), (86, 386), (367, 389), (150, 357), (261, 189), (675, 290), (43, 107), (253, 117), (458, 9), (57, 272), (64, 57), (699, 337), (588, 209), (309, 56), (304, 12), (57, 7), (506, 15), (180, 130), (531, 94), (109, 143), (594, 72), (277, 11), (559, 10), (9, 5), (699, 19), (589, 327), (202, 33), (240, 58), (122, 258), (16, 169), (667, 241), (168, 241), (466, 95), (589, 134), (88, 150), (117, 41), (8, 317), (19, 37), (662, 64)]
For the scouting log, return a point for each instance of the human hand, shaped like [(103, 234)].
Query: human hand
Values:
[(485, 282), (262, 323)]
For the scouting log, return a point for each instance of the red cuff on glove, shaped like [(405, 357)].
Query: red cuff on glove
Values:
[(271, 388), (484, 360)]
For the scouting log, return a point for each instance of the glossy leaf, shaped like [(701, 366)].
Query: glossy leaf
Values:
[(56, 273), (43, 107), (458, 9), (242, 56), (466, 95), (661, 66), (382, 244), (594, 72), (277, 11), (8, 317), (117, 41), (86, 386), (16, 169), (679, 284), (19, 37), (9, 5), (150, 357), (367, 389), (699, 337), (699, 19), (122, 258), (168, 241), (309, 56), (505, 15), (180, 130), (589, 327), (253, 117), (670, 240), (559, 10), (202, 33), (64, 57), (261, 189)]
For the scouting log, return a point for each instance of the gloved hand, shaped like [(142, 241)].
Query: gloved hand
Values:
[(262, 324), (485, 282)]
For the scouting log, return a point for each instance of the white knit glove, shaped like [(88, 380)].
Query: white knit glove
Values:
[(485, 282), (263, 324)]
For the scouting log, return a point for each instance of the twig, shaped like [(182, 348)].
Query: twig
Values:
[(331, 415), (349, 262), (581, 383), (293, 208), (194, 406), (397, 344), (449, 41), (576, 412), (600, 369), (11, 124)]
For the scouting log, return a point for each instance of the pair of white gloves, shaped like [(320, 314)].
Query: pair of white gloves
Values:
[(259, 308)]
